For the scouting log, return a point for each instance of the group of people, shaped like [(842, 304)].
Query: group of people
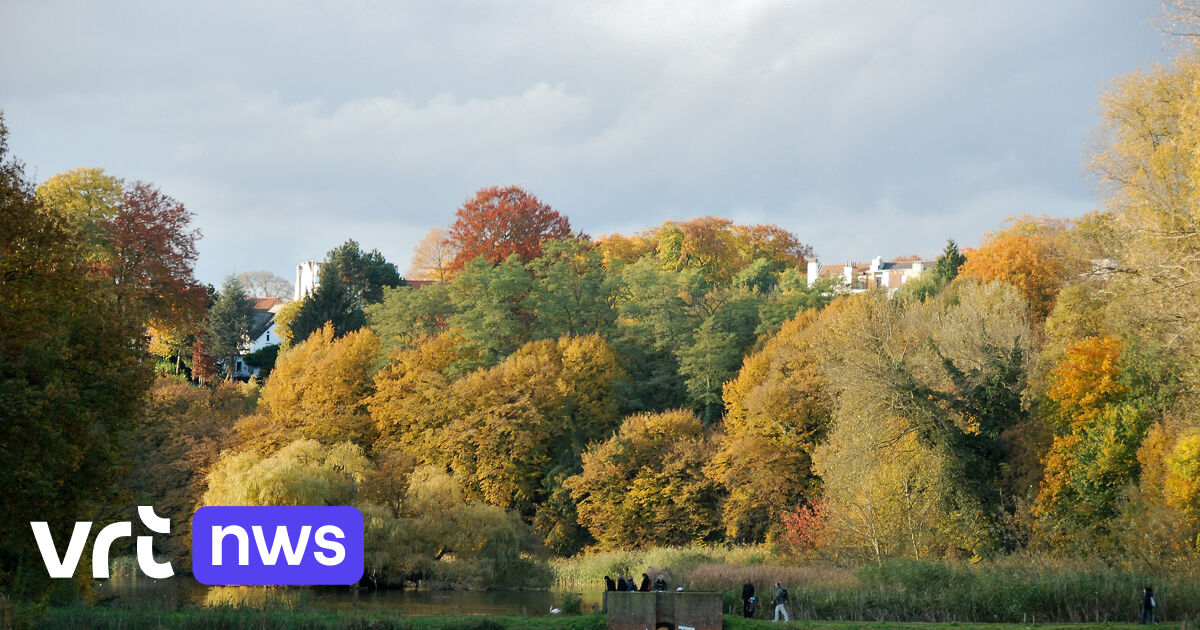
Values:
[(750, 601), (624, 584)]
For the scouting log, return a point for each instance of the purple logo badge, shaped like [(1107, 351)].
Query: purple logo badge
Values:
[(277, 545)]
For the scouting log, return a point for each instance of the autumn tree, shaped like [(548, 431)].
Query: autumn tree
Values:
[(500, 222), (317, 391), (436, 531), (433, 256), (778, 409), (87, 199), (72, 377), (716, 247), (645, 485), (503, 430), (1104, 397), (136, 237), (948, 376), (304, 472), (181, 431), (1027, 256), (153, 253)]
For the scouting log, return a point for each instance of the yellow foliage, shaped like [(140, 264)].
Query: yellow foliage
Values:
[(1086, 379), (1183, 477), (777, 409), (1026, 261), (318, 389), (304, 472)]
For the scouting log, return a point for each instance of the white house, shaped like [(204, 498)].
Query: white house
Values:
[(877, 274), (262, 332)]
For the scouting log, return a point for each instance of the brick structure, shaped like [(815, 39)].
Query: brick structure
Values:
[(672, 610)]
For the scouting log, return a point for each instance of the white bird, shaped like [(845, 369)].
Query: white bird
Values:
[(555, 611)]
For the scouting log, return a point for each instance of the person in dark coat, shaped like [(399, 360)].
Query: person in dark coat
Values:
[(660, 584), (621, 586), (609, 584), (747, 593), (645, 583), (1148, 606)]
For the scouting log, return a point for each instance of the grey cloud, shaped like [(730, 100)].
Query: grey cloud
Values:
[(868, 128)]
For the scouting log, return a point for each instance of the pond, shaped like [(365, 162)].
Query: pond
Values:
[(184, 591)]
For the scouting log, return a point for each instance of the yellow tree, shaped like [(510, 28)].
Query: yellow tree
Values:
[(317, 391), (432, 257), (1029, 256), (1150, 170), (645, 486), (87, 198), (777, 410)]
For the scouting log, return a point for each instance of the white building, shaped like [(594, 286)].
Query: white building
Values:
[(878, 274), (308, 278), (262, 333)]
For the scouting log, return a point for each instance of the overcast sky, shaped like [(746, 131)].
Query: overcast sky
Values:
[(867, 128)]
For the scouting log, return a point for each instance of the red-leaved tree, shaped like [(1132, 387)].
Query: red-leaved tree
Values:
[(153, 252), (804, 529), (499, 222)]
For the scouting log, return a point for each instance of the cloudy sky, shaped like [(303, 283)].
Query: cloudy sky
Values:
[(867, 128)]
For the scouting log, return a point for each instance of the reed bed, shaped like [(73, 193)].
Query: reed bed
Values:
[(1016, 589)]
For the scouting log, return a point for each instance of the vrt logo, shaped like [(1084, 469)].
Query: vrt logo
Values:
[(65, 567)]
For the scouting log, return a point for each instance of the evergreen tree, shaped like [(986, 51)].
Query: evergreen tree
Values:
[(228, 326), (351, 280), (948, 263)]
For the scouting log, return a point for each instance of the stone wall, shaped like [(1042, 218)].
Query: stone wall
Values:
[(673, 610)]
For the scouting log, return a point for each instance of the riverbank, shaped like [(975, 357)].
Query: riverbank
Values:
[(1013, 589), (82, 617), (100, 618)]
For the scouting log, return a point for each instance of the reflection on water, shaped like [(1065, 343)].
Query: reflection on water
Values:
[(184, 591)]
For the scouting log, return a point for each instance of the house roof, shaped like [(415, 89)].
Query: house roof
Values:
[(263, 314), (267, 303), (417, 284)]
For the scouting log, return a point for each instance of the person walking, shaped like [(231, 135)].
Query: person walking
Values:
[(781, 601), (747, 595), (1148, 606), (645, 583)]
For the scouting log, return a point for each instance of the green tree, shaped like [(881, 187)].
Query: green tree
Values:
[(227, 329), (351, 280), (492, 311), (409, 314), (716, 353), (570, 294), (945, 270)]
